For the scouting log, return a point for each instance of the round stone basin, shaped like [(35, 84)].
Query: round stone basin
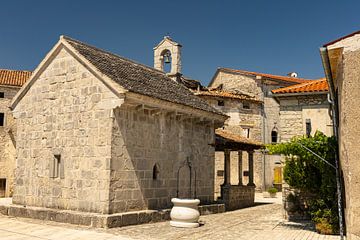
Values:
[(185, 213)]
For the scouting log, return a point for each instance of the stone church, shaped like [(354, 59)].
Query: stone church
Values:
[(100, 133)]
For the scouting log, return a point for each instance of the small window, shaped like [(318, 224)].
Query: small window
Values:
[(308, 127), (274, 136), (2, 94), (2, 187), (57, 167), (2, 119), (220, 173), (246, 132), (221, 103), (156, 172), (246, 105)]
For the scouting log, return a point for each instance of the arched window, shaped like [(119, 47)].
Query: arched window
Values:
[(156, 171), (274, 136)]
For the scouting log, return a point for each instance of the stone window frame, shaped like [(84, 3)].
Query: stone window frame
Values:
[(57, 167)]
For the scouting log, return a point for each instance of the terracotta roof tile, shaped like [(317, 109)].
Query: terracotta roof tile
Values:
[(236, 138), (319, 85), (225, 94), (13, 77), (271, 76)]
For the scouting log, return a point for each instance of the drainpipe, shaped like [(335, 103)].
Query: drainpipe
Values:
[(335, 116), (263, 131)]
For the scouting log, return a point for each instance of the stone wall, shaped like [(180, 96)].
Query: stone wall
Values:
[(65, 112), (142, 140), (7, 140), (266, 118), (240, 122), (349, 132), (294, 110), (236, 197)]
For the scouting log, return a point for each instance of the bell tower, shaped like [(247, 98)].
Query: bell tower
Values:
[(167, 56)]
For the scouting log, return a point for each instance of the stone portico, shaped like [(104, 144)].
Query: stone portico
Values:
[(242, 194)]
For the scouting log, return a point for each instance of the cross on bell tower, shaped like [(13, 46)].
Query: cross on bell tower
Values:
[(168, 52)]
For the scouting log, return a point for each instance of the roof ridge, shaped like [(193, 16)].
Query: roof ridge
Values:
[(113, 54), (265, 74), (302, 85)]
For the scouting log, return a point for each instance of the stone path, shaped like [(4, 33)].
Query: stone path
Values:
[(263, 222)]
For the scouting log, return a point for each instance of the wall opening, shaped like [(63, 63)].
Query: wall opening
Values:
[(55, 166), (156, 172), (2, 119), (2, 95), (308, 127), (221, 103), (246, 105), (166, 61), (2, 187), (274, 136)]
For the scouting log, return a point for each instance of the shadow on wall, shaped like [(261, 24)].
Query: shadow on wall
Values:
[(147, 151)]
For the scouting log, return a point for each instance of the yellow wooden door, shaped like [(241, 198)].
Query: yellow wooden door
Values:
[(277, 175)]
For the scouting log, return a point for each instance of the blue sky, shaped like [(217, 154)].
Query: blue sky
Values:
[(277, 36)]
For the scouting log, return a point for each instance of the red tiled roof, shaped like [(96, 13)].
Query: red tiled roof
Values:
[(271, 76), (13, 77), (341, 38), (319, 85), (225, 94)]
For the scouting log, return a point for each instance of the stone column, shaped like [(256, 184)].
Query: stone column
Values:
[(240, 170), (251, 168), (226, 168)]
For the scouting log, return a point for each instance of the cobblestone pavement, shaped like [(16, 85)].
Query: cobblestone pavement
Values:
[(262, 222)]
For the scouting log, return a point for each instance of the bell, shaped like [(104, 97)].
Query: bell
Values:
[(167, 58)]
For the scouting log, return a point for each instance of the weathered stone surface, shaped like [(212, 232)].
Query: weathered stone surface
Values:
[(236, 197), (76, 152), (7, 141)]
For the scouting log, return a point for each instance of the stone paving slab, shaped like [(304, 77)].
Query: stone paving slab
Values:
[(262, 222)]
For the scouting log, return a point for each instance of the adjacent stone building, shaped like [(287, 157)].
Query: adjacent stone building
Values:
[(341, 61), (10, 83), (100, 133), (259, 119), (236, 106), (304, 109)]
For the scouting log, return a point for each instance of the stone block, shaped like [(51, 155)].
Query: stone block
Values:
[(145, 217), (4, 210), (114, 221), (129, 219)]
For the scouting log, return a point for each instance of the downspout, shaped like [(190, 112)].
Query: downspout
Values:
[(335, 116), (263, 131)]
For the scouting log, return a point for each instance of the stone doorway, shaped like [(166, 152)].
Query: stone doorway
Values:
[(2, 187)]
